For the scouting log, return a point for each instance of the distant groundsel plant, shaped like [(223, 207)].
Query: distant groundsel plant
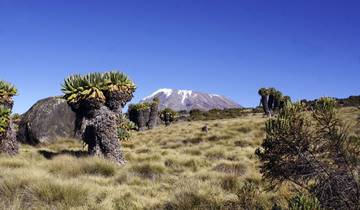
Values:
[(168, 116), (97, 99), (144, 114), (315, 151), (272, 100)]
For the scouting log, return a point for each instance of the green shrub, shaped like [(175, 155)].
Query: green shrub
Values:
[(124, 128), (314, 152), (303, 202), (248, 196)]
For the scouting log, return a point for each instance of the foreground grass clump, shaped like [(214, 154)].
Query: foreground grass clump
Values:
[(174, 167), (83, 166)]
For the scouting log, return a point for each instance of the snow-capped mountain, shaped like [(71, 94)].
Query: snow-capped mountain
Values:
[(187, 100)]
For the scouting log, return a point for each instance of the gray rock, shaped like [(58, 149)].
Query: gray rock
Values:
[(46, 121)]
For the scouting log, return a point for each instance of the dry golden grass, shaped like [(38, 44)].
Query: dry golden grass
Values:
[(176, 167)]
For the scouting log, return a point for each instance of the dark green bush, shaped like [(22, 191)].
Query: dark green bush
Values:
[(313, 152)]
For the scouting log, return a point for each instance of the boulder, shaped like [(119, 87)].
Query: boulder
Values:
[(46, 121)]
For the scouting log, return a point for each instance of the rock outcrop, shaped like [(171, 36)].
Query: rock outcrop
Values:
[(46, 121)]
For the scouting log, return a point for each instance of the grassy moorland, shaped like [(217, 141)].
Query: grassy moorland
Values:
[(176, 167)]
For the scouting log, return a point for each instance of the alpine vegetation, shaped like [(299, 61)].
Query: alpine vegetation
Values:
[(272, 100), (8, 143), (97, 99), (124, 128), (264, 93), (145, 114), (168, 116), (315, 152)]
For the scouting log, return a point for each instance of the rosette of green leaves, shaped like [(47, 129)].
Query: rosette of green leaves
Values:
[(7, 91), (89, 87), (93, 86), (116, 81), (4, 119)]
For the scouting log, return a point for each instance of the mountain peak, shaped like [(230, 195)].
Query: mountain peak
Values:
[(166, 91), (188, 99)]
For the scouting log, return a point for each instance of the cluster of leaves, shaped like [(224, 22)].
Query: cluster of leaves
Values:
[(4, 119), (270, 91), (124, 128), (140, 106), (7, 91), (314, 151), (276, 94), (168, 116), (95, 86), (263, 91), (144, 105)]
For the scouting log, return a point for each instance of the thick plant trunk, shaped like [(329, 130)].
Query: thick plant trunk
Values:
[(140, 118), (271, 103), (116, 101), (276, 104), (144, 116), (8, 104), (101, 135), (264, 102), (8, 143), (153, 116), (167, 119)]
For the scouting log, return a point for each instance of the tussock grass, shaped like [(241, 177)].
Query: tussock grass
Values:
[(148, 170), (175, 167), (231, 168), (81, 166)]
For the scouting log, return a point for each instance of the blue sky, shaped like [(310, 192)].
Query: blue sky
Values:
[(307, 49)]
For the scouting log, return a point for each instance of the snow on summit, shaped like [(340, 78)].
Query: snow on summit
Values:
[(185, 94), (166, 91), (188, 99)]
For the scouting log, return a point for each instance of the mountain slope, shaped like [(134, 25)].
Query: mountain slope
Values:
[(187, 100)]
